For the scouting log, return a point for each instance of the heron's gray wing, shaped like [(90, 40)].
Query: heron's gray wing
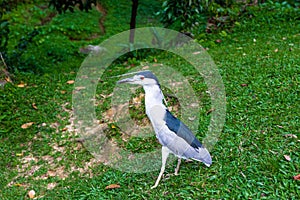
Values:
[(181, 130)]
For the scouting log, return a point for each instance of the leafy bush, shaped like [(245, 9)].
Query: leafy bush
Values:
[(14, 57), (199, 15), (182, 15), (41, 40), (4, 34)]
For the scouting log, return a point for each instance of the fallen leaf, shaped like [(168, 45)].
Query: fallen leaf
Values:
[(157, 64), (297, 177), (27, 125), (197, 52), (273, 152), (145, 67), (105, 96), (19, 154), (50, 186), (18, 184), (31, 194), (51, 173), (287, 157), (64, 129), (34, 106), (8, 79), (112, 186), (21, 85), (70, 81), (210, 110), (80, 88), (291, 135), (63, 92)]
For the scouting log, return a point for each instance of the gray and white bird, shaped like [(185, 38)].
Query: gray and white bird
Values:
[(174, 136)]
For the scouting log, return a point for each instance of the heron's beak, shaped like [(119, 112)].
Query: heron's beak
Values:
[(126, 80)]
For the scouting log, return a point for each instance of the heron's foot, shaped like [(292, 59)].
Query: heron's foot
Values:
[(154, 186)]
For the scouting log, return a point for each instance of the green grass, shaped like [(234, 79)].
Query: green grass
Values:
[(260, 70)]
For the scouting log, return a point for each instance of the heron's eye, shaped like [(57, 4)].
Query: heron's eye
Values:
[(142, 77)]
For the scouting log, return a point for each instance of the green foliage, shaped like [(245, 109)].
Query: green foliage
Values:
[(198, 16), (182, 15), (193, 14), (4, 24), (4, 34), (5, 7), (19, 50), (271, 12), (41, 41)]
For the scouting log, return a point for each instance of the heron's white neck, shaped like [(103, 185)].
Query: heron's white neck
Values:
[(153, 97)]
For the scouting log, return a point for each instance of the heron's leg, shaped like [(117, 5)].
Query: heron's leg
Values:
[(164, 155), (177, 167)]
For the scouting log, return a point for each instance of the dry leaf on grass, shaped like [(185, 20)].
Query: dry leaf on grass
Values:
[(21, 85), (51, 173), (51, 186), (34, 106), (197, 52), (27, 125), (291, 135), (31, 194), (19, 154), (112, 186), (145, 67), (297, 177), (64, 129), (113, 126), (8, 79), (287, 157), (80, 88), (70, 81)]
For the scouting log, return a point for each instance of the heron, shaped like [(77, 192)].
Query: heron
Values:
[(174, 136)]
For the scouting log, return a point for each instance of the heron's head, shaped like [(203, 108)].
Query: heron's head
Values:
[(142, 78)]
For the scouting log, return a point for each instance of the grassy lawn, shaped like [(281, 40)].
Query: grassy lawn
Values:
[(260, 66)]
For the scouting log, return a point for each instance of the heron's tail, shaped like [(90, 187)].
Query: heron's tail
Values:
[(204, 156)]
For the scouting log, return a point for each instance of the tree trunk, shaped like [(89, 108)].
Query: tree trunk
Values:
[(133, 19)]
